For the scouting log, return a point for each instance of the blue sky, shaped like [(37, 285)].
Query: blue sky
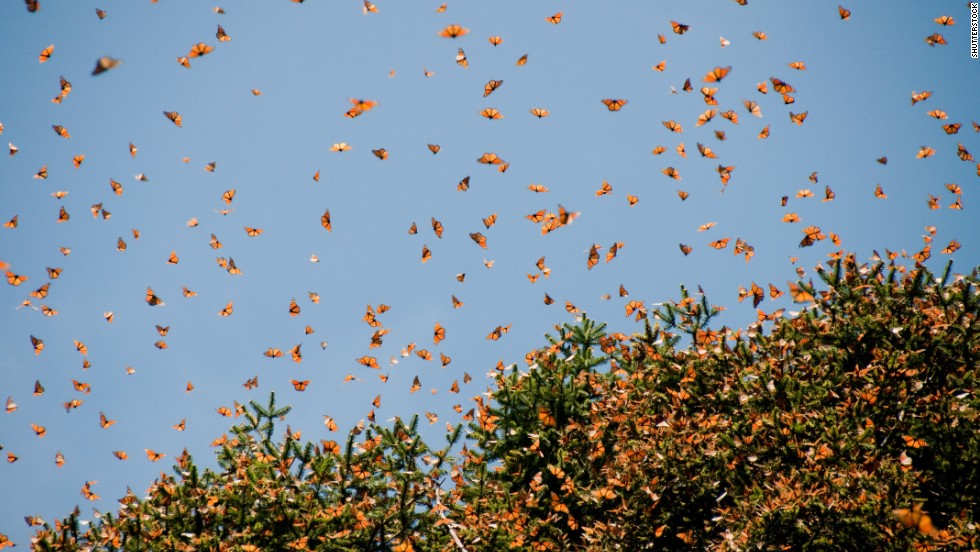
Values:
[(308, 60)]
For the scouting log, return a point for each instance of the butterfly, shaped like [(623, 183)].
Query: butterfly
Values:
[(672, 173), (381, 153), (490, 221), (844, 12), (717, 74), (554, 19), (685, 249), (798, 118), (453, 31), (325, 220), (522, 61), (200, 49), (104, 64), (495, 40), (461, 59), (679, 28), (154, 456), (540, 112), (456, 302), (45, 54), (369, 361), (341, 147), (720, 244), (491, 113), (300, 385), (272, 352), (614, 104), (632, 199), (490, 159), (935, 38), (479, 239), (175, 117), (152, 299), (798, 65), (221, 35)]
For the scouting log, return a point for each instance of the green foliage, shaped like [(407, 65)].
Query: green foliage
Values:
[(851, 425)]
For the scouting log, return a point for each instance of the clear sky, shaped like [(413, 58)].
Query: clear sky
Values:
[(308, 60)]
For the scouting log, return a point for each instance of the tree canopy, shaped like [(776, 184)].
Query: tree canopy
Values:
[(852, 424)]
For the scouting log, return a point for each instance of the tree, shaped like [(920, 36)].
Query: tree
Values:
[(854, 424)]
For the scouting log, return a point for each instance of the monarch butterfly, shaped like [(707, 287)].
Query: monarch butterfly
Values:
[(184, 61), (951, 248), (952, 129), (604, 190), (613, 250), (461, 59), (717, 74), (731, 116), (100, 13), (937, 114), (679, 28), (200, 49), (87, 490), (522, 60), (495, 40), (12, 223), (632, 199), (491, 113), (61, 131), (540, 112), (325, 220), (221, 35), (175, 117), (706, 151), (685, 249), (187, 292), (844, 12), (546, 417), (105, 63), (490, 159), (709, 95), (490, 221), (554, 19), (45, 54), (791, 217), (15, 279), (798, 118), (760, 35), (434, 148), (672, 173), (491, 86), (674, 126), (456, 302), (920, 96), (724, 42), (764, 133), (660, 66), (77, 160), (811, 235), (369, 361), (341, 147), (798, 65), (593, 256), (153, 456), (161, 344), (252, 232), (924, 152), (40, 431), (614, 104), (437, 227), (380, 153), (152, 299), (300, 385), (453, 31), (963, 154), (479, 239), (935, 38), (414, 229)]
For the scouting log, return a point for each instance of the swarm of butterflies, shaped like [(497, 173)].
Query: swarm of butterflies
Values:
[(31, 284)]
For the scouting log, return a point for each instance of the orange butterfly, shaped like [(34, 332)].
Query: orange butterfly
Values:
[(461, 59), (300, 385), (325, 220), (463, 185), (175, 117), (554, 19), (717, 74), (679, 28), (272, 352), (453, 31), (369, 361), (200, 49), (152, 299), (45, 54), (491, 113), (153, 456), (479, 238), (685, 249), (614, 104), (381, 153), (540, 112), (798, 118), (221, 35), (491, 86), (844, 12), (522, 60), (495, 40)]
